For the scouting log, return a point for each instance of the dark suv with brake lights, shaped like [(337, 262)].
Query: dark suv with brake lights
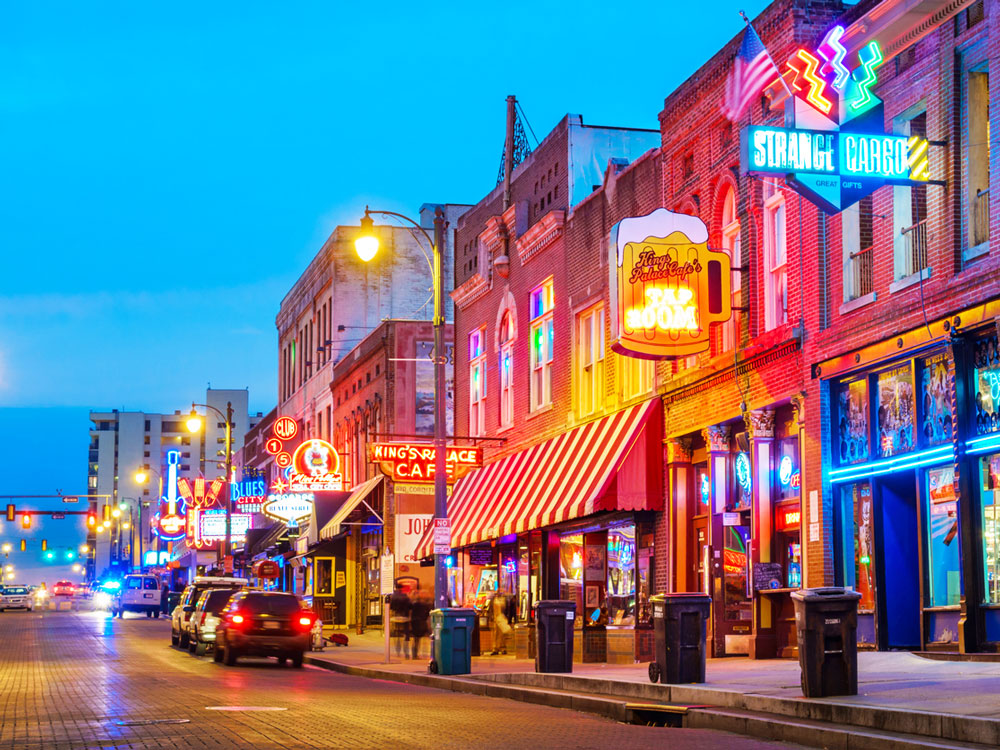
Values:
[(263, 623)]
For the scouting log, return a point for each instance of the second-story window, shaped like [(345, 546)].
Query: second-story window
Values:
[(775, 258), (731, 244), (506, 371), (542, 304), (590, 358), (477, 382), (635, 376)]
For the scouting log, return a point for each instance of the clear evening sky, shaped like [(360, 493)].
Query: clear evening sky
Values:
[(168, 169)]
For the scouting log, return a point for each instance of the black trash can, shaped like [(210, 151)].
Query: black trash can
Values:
[(554, 622), (679, 623), (826, 623)]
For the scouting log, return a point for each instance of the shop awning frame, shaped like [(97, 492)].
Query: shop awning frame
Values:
[(359, 496)]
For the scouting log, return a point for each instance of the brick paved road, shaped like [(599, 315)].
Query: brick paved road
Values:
[(66, 679)]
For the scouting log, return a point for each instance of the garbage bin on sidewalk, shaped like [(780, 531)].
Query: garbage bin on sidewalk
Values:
[(451, 640), (826, 623), (554, 622), (679, 624)]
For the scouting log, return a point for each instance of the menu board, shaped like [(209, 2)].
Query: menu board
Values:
[(767, 575), (481, 556)]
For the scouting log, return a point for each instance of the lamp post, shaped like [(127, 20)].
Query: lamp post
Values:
[(367, 245), (193, 425)]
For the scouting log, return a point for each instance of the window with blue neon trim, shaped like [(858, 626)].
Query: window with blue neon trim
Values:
[(986, 384)]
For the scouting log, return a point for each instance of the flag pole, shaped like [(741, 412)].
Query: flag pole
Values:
[(768, 53)]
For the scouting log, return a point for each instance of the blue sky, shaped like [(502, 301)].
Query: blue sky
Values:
[(167, 171)]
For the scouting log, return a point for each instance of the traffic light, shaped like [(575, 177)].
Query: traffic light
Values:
[(26, 521), (107, 513), (45, 544), (91, 520), (10, 512), (24, 545)]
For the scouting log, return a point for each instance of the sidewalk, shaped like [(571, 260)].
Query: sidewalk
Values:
[(897, 691)]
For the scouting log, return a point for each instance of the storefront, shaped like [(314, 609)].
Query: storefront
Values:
[(736, 520), (570, 518)]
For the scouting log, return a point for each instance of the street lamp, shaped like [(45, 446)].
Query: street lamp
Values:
[(194, 424), (367, 246)]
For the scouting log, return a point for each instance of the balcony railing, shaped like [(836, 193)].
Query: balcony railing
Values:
[(862, 266), (981, 217), (915, 238)]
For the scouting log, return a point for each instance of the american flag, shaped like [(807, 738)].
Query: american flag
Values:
[(753, 70)]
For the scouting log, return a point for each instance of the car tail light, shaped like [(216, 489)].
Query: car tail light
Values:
[(307, 621), (203, 616), (237, 619)]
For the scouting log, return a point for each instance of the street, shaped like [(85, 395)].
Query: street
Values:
[(85, 680)]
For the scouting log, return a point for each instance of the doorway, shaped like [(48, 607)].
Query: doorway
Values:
[(897, 541)]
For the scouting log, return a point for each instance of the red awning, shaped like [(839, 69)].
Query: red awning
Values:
[(563, 478)]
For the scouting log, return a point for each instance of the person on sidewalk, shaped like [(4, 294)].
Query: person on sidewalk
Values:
[(499, 624), (399, 620), (420, 612)]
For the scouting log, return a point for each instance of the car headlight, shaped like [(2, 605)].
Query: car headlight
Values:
[(102, 599)]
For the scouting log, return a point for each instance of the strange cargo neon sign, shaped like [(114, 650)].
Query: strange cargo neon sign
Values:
[(836, 151)]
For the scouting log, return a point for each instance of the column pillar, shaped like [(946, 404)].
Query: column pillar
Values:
[(760, 429), (717, 443)]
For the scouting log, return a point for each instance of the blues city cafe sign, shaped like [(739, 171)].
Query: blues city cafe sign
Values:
[(666, 285), (836, 150)]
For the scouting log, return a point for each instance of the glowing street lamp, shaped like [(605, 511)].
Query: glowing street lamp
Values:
[(141, 477), (366, 246), (6, 549), (116, 513), (84, 549), (194, 422)]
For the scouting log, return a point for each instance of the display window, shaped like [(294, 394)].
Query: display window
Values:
[(703, 490), (789, 478), (896, 411), (857, 514), (936, 409), (852, 431), (621, 588), (986, 385), (571, 569), (944, 587), (738, 605), (989, 478), (481, 577)]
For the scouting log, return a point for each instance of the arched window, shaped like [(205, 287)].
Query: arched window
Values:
[(506, 336), (731, 244)]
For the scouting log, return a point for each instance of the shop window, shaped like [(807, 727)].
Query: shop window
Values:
[(776, 256), (323, 580), (788, 478), (852, 431), (590, 359), (738, 605), (858, 541), (731, 244), (542, 304), (506, 371), (942, 569), (935, 397), (978, 158), (620, 598), (477, 382), (896, 411), (986, 385), (703, 490), (989, 478), (571, 569)]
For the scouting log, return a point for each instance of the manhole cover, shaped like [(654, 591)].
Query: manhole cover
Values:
[(147, 722), (244, 708)]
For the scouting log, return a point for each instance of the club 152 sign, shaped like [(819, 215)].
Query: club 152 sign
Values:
[(666, 285)]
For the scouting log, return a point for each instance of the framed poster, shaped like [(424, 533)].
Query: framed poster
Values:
[(935, 395), (852, 421), (896, 411), (593, 597), (594, 559)]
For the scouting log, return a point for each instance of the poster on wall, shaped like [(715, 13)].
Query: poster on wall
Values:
[(935, 397), (594, 558), (410, 528), (852, 422), (667, 287), (896, 411)]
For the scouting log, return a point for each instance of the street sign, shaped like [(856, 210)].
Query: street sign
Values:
[(70, 499), (58, 516), (387, 573), (442, 536)]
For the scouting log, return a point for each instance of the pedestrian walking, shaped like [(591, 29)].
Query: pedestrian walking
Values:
[(165, 600), (399, 619), (499, 624), (420, 613)]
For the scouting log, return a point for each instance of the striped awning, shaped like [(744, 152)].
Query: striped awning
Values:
[(358, 495), (560, 479)]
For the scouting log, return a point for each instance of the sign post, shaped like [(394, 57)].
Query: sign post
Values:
[(442, 536), (387, 574)]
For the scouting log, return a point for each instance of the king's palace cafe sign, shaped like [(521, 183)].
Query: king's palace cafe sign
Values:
[(414, 462)]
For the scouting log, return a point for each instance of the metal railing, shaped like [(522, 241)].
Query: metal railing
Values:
[(981, 217), (915, 238), (863, 268)]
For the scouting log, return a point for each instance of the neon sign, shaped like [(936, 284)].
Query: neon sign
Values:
[(785, 470), (288, 507), (414, 462), (789, 518), (835, 151), (211, 527), (743, 473), (155, 557), (315, 468), (170, 522), (667, 287), (248, 495), (285, 428)]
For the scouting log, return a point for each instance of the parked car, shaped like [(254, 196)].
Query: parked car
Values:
[(205, 618), (138, 593), (182, 612), (263, 623), (16, 597)]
